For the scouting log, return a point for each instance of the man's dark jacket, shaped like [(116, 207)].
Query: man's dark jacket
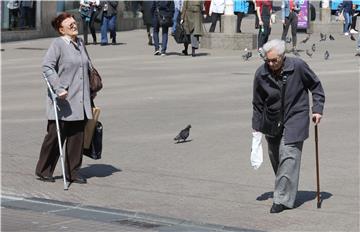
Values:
[(112, 8), (300, 80)]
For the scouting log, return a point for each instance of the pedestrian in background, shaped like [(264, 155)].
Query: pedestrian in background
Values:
[(13, 7), (108, 22), (26, 17), (241, 7), (66, 66), (264, 11), (147, 18), (89, 10), (161, 9), (217, 8), (346, 7), (285, 147), (191, 18), (178, 4), (289, 15)]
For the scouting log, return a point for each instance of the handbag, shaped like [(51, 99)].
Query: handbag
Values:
[(90, 127), (180, 35), (95, 149), (95, 80), (272, 123), (341, 16)]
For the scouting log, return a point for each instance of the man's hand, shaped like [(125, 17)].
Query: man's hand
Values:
[(316, 118), (63, 95), (181, 21)]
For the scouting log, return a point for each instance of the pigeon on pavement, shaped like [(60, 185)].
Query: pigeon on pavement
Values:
[(183, 135), (306, 39), (326, 55)]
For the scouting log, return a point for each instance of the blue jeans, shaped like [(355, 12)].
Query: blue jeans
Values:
[(108, 23), (175, 19), (348, 21), (164, 37)]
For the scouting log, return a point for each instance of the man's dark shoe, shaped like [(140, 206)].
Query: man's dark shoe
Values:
[(277, 208), (113, 42), (46, 178), (78, 180)]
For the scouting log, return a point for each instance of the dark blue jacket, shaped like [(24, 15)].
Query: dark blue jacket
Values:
[(301, 79), (166, 8)]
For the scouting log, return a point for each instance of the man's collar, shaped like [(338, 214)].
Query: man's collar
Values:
[(287, 67)]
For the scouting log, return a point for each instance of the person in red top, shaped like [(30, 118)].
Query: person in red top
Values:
[(264, 11)]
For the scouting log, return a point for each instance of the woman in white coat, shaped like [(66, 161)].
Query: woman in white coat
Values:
[(217, 8)]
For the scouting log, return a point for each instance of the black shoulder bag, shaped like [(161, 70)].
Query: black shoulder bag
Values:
[(272, 123)]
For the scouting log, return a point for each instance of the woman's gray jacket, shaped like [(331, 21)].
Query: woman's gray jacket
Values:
[(66, 67), (300, 80)]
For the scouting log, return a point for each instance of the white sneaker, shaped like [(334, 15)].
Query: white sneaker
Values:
[(346, 33), (352, 31)]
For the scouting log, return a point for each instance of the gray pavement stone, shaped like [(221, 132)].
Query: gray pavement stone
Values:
[(147, 99)]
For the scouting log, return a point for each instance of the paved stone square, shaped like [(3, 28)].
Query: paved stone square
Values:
[(145, 102)]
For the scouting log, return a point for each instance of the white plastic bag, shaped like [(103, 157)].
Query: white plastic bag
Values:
[(256, 157)]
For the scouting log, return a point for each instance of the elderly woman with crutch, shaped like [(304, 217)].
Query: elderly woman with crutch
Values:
[(65, 67)]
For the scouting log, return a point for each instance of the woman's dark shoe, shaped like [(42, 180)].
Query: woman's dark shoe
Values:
[(78, 180), (185, 52), (46, 178)]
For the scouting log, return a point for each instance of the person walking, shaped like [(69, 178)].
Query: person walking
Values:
[(66, 66), (264, 11), (293, 76), (108, 22), (289, 15), (161, 9), (147, 18), (89, 10), (178, 7), (217, 8), (191, 18), (346, 7), (241, 7)]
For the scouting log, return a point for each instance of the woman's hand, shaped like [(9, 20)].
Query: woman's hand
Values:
[(63, 95)]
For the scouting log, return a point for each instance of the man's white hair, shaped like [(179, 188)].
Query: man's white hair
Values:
[(275, 44)]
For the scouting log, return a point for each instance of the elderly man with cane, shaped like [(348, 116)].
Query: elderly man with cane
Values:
[(281, 112)]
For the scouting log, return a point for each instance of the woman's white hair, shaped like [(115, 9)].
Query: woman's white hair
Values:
[(275, 44)]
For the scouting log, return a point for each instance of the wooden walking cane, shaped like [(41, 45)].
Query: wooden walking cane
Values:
[(317, 168)]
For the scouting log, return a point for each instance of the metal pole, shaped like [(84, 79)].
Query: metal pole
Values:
[(62, 158), (317, 168)]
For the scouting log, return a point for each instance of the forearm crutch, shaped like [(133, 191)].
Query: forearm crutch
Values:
[(317, 168), (62, 158)]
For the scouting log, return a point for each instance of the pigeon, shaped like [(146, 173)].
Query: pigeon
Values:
[(352, 37), (326, 55), (331, 37), (322, 37), (308, 53), (288, 40), (313, 48), (247, 55), (306, 39), (183, 134)]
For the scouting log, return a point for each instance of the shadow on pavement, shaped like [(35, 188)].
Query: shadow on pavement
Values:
[(301, 198), (99, 170)]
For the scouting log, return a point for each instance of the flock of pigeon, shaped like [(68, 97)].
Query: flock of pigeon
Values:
[(323, 37), (309, 52)]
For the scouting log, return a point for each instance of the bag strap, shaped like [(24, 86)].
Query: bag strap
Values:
[(87, 54), (283, 87)]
